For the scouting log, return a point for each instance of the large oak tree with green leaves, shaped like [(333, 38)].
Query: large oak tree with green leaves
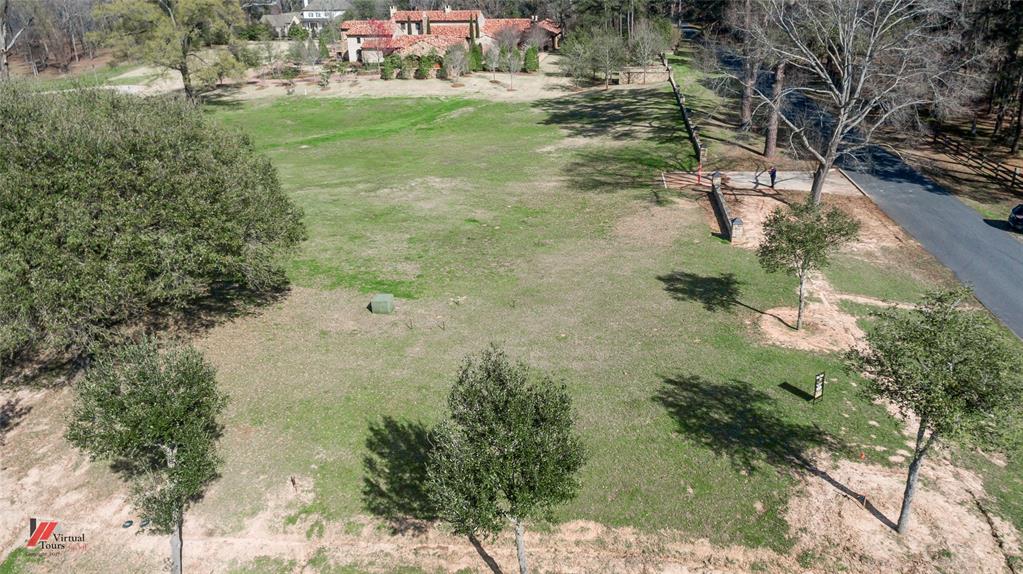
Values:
[(167, 33), (948, 366), (154, 416), (508, 453), (114, 208)]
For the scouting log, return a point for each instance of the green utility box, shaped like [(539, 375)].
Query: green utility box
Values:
[(382, 303)]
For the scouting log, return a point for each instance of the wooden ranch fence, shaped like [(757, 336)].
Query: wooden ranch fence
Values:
[(1012, 177), (680, 99)]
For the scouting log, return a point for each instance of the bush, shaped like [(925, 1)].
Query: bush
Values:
[(254, 32), (303, 53), (323, 48), (116, 207), (249, 57), (389, 65), (455, 61), (476, 58), (408, 69), (424, 67), (532, 61), (298, 33)]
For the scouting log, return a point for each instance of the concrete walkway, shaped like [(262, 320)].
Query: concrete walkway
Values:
[(982, 253), (835, 184)]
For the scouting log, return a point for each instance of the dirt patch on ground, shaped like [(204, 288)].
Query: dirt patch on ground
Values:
[(878, 233), (547, 83), (948, 532), (652, 225), (825, 328)]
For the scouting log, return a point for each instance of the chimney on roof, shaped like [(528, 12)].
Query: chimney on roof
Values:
[(393, 10), (534, 18), (447, 8)]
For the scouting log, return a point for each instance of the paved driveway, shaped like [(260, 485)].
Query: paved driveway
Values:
[(982, 253)]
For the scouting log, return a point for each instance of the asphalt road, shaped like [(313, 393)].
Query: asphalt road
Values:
[(982, 253)]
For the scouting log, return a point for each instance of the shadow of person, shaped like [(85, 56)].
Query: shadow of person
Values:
[(739, 421), (394, 483)]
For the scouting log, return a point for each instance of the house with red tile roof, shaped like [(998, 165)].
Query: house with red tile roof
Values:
[(372, 40)]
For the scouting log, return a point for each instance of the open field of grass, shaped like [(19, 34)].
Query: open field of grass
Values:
[(538, 227), (543, 227)]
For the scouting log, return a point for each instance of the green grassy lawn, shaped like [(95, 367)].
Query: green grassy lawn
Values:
[(19, 561), (518, 223)]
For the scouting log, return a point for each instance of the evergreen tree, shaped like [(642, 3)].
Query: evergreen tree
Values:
[(508, 453)]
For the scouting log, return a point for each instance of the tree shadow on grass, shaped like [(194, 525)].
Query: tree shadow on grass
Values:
[(623, 114), (617, 168), (736, 420), (720, 293), (220, 303), (11, 413), (394, 484)]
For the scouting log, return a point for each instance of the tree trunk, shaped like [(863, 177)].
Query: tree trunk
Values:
[(823, 167), (1014, 148), (520, 546), (175, 547), (802, 294), (771, 143), (914, 471), (749, 80), (186, 79), (821, 174), (999, 118)]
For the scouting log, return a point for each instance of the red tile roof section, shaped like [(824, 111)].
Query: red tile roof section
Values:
[(369, 28), (436, 15), (550, 25), (495, 25), (401, 42), (450, 30)]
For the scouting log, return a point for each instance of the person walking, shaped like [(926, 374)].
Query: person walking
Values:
[(774, 175)]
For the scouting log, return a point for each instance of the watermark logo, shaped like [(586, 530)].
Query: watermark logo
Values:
[(48, 535)]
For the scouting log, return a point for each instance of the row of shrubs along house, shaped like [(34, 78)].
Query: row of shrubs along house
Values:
[(418, 32)]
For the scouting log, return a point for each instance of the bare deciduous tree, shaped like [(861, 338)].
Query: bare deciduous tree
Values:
[(646, 43), (508, 39), (455, 61), (493, 60), (8, 37), (771, 138), (607, 49), (864, 64)]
